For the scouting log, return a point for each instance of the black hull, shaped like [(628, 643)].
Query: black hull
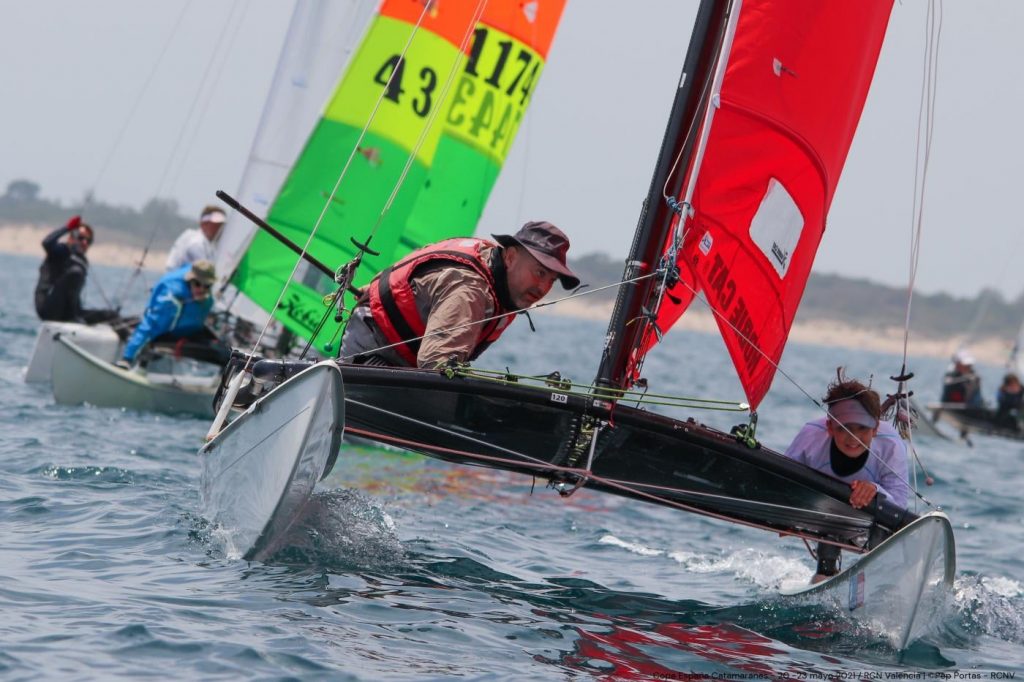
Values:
[(642, 455), (968, 420)]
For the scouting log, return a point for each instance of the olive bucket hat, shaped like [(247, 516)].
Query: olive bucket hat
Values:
[(202, 271), (547, 244)]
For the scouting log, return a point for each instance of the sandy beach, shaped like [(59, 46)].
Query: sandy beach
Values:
[(25, 240)]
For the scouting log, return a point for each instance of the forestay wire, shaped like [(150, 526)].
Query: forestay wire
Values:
[(111, 302), (222, 47), (683, 209), (649, 493), (902, 414)]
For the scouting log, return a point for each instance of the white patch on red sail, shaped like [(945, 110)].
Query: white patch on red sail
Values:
[(777, 226)]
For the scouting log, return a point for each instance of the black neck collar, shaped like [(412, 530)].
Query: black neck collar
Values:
[(501, 279)]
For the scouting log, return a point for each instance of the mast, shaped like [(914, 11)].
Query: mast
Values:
[(656, 218)]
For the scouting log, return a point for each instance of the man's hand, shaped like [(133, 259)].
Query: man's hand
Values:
[(862, 493), (74, 223)]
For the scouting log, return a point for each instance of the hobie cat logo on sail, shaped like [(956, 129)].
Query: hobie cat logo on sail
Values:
[(705, 243), (300, 312), (781, 256)]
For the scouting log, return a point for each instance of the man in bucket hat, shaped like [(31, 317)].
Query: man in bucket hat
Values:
[(451, 300), (177, 312), (851, 443)]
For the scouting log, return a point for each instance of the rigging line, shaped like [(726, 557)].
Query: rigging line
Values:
[(529, 308), (607, 394), (704, 100), (177, 143), (526, 135), (641, 399), (925, 133), (481, 6), (971, 333), (210, 92), (684, 208), (746, 340), (536, 462), (138, 100), (341, 176), (109, 301), (625, 486), (491, 376)]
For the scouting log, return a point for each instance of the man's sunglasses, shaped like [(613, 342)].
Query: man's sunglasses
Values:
[(199, 285)]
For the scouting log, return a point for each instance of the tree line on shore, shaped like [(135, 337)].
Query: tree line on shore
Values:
[(158, 219), (852, 301), (866, 304)]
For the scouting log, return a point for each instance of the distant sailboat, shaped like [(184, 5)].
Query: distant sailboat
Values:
[(443, 156), (420, 168), (967, 416)]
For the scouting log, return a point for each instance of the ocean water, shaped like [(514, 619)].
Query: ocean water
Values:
[(407, 568)]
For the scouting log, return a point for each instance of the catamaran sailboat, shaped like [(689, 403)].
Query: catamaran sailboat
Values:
[(758, 133)]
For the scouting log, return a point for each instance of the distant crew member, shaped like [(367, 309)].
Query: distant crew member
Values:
[(177, 312), (961, 385), (453, 299), (62, 276), (853, 445), (198, 243), (1009, 401)]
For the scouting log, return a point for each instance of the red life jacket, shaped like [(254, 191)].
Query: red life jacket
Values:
[(393, 302)]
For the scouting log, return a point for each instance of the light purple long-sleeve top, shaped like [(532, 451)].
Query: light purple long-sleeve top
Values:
[(886, 466)]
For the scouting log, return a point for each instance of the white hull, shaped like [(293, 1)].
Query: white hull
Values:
[(81, 377), (99, 339), (899, 587), (259, 472)]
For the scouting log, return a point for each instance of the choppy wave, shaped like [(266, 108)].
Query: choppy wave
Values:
[(404, 568)]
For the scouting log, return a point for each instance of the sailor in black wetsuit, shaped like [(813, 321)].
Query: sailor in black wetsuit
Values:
[(961, 385), (1009, 401), (62, 276)]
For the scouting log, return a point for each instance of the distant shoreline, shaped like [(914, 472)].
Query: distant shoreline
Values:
[(819, 333), (25, 240)]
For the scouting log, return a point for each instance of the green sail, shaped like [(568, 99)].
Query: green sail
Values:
[(443, 193)]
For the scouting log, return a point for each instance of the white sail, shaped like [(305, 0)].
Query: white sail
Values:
[(1016, 362), (320, 41)]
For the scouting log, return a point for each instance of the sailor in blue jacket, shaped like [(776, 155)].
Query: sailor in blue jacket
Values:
[(177, 308)]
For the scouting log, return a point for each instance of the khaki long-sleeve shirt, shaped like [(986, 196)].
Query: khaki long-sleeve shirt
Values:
[(450, 299)]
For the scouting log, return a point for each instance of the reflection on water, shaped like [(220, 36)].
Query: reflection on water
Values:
[(406, 568)]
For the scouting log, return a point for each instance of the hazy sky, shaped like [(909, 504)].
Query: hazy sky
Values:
[(73, 72)]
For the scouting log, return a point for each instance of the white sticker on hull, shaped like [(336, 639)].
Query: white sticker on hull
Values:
[(857, 591)]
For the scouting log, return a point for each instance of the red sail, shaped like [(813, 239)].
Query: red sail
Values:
[(796, 80)]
